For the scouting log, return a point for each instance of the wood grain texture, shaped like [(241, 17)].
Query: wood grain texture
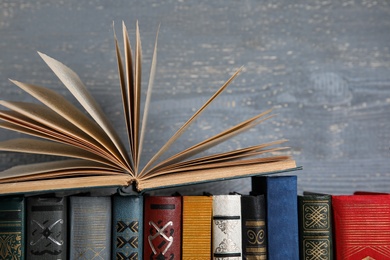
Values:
[(324, 66)]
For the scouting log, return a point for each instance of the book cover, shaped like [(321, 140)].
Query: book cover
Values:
[(281, 214), (98, 157), (254, 229), (362, 226), (90, 227), (162, 227), (226, 227), (46, 228), (12, 228), (196, 227), (315, 226), (127, 227)]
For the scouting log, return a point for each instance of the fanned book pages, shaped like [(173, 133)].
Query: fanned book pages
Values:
[(97, 157)]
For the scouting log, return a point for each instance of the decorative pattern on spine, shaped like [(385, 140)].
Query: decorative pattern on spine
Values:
[(12, 228), (127, 223), (362, 226), (227, 227), (90, 232), (46, 228), (162, 227), (254, 230), (315, 222)]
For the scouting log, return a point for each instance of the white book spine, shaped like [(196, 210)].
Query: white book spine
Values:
[(227, 227)]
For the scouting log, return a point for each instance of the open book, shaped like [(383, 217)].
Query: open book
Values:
[(97, 157)]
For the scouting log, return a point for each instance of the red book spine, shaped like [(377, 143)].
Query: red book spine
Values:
[(162, 227), (362, 226)]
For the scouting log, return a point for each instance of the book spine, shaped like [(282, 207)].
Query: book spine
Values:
[(90, 227), (281, 214), (196, 236), (315, 226), (361, 226), (12, 228), (226, 227), (127, 231), (46, 228), (162, 227), (254, 230)]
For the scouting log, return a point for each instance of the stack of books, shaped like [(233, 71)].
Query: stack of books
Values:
[(272, 222), (78, 226)]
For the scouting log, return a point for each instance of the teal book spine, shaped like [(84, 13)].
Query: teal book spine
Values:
[(12, 228), (46, 222), (281, 215), (315, 226), (127, 231), (90, 227)]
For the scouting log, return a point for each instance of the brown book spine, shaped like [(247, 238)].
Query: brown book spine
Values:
[(162, 227)]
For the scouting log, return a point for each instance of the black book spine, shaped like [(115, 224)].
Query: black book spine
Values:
[(254, 231), (46, 228)]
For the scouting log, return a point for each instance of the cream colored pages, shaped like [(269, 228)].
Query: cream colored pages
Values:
[(208, 143), (96, 147), (186, 125), (227, 158), (50, 148), (45, 168), (72, 81), (206, 175), (70, 113), (75, 183)]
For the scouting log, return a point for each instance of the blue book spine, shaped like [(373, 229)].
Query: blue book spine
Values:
[(281, 214), (127, 223)]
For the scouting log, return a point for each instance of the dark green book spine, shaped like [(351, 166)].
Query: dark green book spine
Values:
[(315, 227), (90, 227), (46, 228), (127, 227), (254, 230), (12, 228)]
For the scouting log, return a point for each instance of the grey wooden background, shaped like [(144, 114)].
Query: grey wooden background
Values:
[(324, 65)]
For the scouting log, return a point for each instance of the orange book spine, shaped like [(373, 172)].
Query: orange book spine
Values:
[(197, 214)]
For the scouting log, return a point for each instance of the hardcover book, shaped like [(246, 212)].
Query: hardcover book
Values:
[(196, 227), (98, 157), (362, 226), (315, 226), (226, 227), (162, 227), (90, 227), (12, 228), (47, 228), (254, 229), (127, 227), (281, 214)]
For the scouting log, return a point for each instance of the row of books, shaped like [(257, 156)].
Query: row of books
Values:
[(270, 223)]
